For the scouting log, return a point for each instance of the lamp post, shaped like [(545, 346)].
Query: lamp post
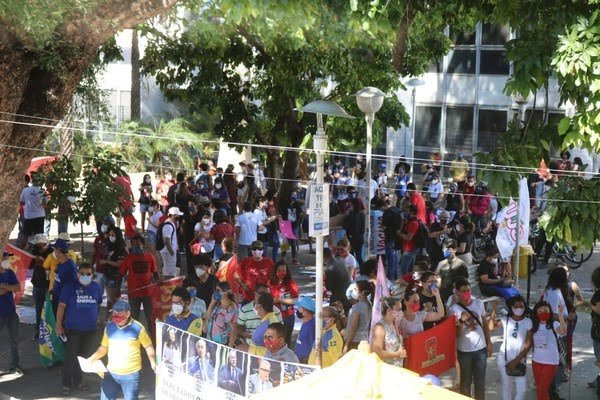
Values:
[(413, 83), (369, 100), (320, 107)]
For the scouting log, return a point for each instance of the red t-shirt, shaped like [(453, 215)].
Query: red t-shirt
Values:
[(417, 200), (253, 272), (408, 278), (130, 224), (140, 269), (100, 253), (222, 231), (285, 291), (412, 226)]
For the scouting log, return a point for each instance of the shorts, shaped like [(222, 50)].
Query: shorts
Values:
[(169, 267), (144, 207), (152, 237), (33, 226)]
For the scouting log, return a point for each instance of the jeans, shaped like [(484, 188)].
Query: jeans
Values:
[(288, 322), (136, 303), (357, 245), (472, 370), (78, 344), (218, 252), (543, 375), (12, 325), (507, 381), (391, 258), (407, 261), (294, 243), (39, 297), (113, 383), (243, 251)]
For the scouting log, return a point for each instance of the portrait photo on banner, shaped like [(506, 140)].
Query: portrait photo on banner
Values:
[(232, 370), (263, 374)]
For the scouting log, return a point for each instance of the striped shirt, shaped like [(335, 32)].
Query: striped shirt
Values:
[(249, 320)]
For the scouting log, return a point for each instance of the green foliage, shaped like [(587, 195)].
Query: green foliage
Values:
[(573, 223)]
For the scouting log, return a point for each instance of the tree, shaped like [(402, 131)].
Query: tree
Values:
[(257, 61), (45, 50)]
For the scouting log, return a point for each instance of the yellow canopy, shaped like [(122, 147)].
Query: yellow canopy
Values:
[(360, 374)]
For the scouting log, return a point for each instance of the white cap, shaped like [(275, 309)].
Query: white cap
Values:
[(64, 236), (39, 238), (175, 211)]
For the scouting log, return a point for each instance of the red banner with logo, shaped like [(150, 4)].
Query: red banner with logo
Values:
[(19, 263), (432, 351), (160, 294)]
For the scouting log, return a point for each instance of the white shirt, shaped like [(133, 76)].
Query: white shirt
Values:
[(555, 298), (248, 223), (207, 245), (154, 218), (470, 336), (362, 189), (435, 190), (169, 232), (262, 216), (409, 328), (545, 348), (514, 344), (351, 263), (33, 199)]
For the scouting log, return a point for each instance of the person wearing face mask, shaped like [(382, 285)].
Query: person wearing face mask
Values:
[(168, 253), (197, 306), (295, 214), (337, 278), (277, 349), (387, 342), (202, 229), (454, 201), (50, 264), (40, 278), (78, 307), (162, 190), (427, 300), (145, 190), (261, 213), (9, 285), (414, 318), (305, 311), (155, 217), (355, 224), (285, 294), (205, 281), (439, 231), (331, 339), (121, 341), (222, 314), (230, 184), (359, 317), (492, 280), (254, 270), (181, 317), (66, 271), (435, 190), (459, 169), (474, 345), (220, 193), (246, 230), (248, 320), (140, 268), (545, 358), (263, 306), (116, 252), (516, 343), (450, 270)]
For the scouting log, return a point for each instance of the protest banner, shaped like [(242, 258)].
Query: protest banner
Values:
[(160, 293), (377, 244), (432, 351), (191, 367), (381, 291), (19, 263)]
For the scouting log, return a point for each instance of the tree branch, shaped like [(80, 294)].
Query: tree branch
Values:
[(254, 41)]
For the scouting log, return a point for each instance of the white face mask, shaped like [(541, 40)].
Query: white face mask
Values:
[(518, 311), (5, 264), (200, 272), (177, 309), (104, 228), (112, 239), (151, 209), (218, 186), (206, 221), (257, 253), (85, 280)]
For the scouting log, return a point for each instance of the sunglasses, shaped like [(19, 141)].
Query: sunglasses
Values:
[(84, 274), (257, 248)]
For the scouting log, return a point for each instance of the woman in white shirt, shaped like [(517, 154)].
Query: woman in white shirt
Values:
[(546, 357), (343, 251), (412, 322), (516, 343)]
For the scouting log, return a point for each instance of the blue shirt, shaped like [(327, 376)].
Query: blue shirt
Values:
[(7, 300), (82, 302), (306, 339), (66, 273)]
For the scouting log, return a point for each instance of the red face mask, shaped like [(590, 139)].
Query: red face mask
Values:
[(281, 274), (415, 307), (119, 319), (544, 316), (465, 296), (268, 344)]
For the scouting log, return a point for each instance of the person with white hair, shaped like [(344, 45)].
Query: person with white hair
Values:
[(259, 382)]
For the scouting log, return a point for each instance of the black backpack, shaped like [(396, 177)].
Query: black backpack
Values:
[(421, 236), (160, 240)]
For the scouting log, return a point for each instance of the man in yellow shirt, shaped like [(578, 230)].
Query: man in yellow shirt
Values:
[(51, 262), (181, 317), (459, 168), (264, 309), (332, 343), (121, 341)]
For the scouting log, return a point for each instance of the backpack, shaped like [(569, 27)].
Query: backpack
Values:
[(160, 241), (421, 236)]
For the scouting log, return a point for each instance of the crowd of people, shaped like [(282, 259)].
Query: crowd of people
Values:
[(222, 231)]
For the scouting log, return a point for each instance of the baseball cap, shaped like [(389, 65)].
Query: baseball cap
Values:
[(61, 245), (306, 302), (257, 244), (120, 306), (64, 236), (175, 211)]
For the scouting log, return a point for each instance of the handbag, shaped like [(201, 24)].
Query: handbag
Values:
[(521, 367), (562, 351)]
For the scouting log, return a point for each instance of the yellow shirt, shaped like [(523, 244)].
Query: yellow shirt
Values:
[(257, 346), (459, 170), (51, 263), (123, 343), (332, 346)]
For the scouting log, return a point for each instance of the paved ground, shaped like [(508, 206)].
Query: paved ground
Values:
[(41, 383)]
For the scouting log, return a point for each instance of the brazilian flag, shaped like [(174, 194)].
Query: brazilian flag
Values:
[(52, 349)]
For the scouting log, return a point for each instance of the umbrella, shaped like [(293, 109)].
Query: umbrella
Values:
[(360, 374), (38, 162)]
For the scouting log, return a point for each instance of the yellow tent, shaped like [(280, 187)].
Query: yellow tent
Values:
[(360, 374)]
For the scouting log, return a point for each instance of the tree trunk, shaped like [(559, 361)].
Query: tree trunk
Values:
[(273, 169), (290, 166), (401, 41), (136, 99)]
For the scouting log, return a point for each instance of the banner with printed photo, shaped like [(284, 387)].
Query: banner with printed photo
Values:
[(19, 263), (191, 367)]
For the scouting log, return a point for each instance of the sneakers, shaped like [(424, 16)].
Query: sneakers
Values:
[(17, 370)]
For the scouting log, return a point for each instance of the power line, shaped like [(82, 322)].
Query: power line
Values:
[(480, 166)]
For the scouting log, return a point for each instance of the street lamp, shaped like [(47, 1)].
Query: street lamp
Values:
[(321, 107), (413, 83), (369, 100), (521, 103)]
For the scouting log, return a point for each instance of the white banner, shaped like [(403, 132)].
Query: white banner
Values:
[(524, 212), (377, 245), (318, 211), (192, 368), (506, 239)]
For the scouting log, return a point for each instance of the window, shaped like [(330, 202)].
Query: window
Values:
[(538, 116), (494, 34), (493, 62), (427, 126), (459, 129), (436, 67), (462, 62), (492, 124), (462, 38)]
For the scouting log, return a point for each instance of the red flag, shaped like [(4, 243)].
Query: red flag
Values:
[(432, 351), (19, 263), (381, 290), (226, 274), (161, 297)]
